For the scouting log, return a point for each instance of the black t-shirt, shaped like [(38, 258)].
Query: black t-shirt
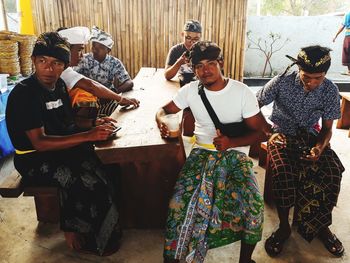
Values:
[(31, 106), (174, 53)]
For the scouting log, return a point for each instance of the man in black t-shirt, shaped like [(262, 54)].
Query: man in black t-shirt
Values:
[(176, 61), (50, 150)]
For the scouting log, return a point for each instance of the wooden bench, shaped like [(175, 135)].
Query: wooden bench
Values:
[(46, 198), (148, 164), (344, 121)]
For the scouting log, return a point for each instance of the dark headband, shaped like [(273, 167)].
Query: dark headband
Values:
[(313, 59), (52, 45)]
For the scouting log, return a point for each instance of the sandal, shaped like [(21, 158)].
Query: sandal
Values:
[(333, 245), (274, 246)]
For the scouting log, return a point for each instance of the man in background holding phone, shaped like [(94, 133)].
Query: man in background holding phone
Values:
[(177, 61)]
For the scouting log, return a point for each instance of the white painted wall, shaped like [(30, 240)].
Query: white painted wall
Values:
[(302, 31)]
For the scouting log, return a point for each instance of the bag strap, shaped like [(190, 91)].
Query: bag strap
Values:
[(208, 106)]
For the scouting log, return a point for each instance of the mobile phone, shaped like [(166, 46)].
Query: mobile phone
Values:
[(114, 132), (127, 107), (304, 150)]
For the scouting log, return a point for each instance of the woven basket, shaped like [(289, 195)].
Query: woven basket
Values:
[(26, 45), (9, 62)]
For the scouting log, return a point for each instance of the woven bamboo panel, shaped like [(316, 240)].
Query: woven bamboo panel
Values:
[(144, 30)]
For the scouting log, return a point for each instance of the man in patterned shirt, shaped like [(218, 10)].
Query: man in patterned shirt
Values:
[(77, 38), (104, 68), (306, 172)]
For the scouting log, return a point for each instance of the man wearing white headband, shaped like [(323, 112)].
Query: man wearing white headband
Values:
[(77, 38), (104, 68)]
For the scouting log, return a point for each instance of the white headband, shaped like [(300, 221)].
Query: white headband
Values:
[(76, 35)]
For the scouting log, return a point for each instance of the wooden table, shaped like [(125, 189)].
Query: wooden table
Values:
[(149, 164), (344, 121)]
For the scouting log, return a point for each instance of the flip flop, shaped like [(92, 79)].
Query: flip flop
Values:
[(333, 245), (274, 246)]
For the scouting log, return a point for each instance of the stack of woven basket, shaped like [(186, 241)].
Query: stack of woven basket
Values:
[(26, 44), (9, 62), (15, 53)]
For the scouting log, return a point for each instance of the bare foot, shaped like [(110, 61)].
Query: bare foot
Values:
[(74, 240)]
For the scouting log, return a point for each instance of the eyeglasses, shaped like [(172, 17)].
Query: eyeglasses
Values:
[(211, 65), (192, 39)]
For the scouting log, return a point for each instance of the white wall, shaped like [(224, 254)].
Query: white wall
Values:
[(12, 22), (302, 31)]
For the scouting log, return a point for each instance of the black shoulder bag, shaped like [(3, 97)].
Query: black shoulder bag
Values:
[(233, 129)]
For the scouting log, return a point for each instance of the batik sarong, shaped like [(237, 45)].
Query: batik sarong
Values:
[(216, 202), (312, 187), (87, 195)]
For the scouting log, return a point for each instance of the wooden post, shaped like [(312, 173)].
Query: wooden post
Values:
[(47, 208), (3, 9)]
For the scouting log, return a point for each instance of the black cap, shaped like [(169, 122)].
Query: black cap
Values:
[(193, 26), (204, 50)]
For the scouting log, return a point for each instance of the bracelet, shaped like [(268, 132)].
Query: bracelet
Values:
[(121, 99)]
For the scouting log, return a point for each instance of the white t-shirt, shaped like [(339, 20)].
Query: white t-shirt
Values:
[(71, 77), (231, 104)]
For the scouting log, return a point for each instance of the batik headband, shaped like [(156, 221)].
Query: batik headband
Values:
[(51, 44), (312, 59), (102, 37)]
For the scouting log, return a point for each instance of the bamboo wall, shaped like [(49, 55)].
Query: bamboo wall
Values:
[(144, 30)]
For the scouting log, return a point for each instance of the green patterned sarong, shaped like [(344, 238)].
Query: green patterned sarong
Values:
[(216, 202)]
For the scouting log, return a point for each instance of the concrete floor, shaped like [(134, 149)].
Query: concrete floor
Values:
[(22, 239)]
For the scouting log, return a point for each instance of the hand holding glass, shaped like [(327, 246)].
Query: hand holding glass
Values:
[(172, 122)]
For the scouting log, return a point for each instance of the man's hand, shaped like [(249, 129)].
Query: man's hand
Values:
[(221, 142), (129, 101), (164, 130), (183, 59), (313, 155), (104, 120), (277, 138), (101, 132)]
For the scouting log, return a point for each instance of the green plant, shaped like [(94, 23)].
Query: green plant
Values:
[(268, 47)]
